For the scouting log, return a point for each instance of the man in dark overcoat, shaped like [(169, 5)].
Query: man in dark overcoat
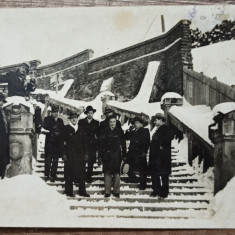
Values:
[(4, 139), (17, 83), (112, 149), (137, 155), (109, 112), (74, 150), (91, 131), (160, 157), (54, 126)]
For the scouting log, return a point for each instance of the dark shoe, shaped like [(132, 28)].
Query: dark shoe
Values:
[(52, 179), (117, 195), (142, 187), (107, 195), (46, 178), (84, 194), (89, 180), (70, 194), (153, 194)]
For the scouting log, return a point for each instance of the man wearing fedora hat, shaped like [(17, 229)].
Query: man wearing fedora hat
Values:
[(91, 132), (160, 157), (54, 125), (136, 157), (17, 83), (104, 124), (74, 150), (4, 139)]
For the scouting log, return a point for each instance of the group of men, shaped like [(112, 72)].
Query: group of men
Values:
[(87, 141)]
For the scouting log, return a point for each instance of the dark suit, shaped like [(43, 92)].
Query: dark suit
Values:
[(4, 144), (91, 132), (136, 156), (74, 165), (53, 144), (17, 86)]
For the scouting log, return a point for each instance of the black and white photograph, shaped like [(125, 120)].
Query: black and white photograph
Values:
[(117, 117)]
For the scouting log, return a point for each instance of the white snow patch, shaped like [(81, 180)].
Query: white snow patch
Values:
[(27, 201), (197, 118), (224, 108), (221, 58), (107, 84), (168, 95), (18, 100)]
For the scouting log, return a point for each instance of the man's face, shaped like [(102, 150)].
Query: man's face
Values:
[(90, 114), (158, 122), (23, 69), (112, 123), (137, 125), (54, 114), (74, 120)]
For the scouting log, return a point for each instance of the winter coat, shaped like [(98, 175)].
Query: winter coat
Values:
[(4, 144), (138, 148), (74, 149), (53, 140), (160, 151), (91, 132), (16, 87), (112, 149)]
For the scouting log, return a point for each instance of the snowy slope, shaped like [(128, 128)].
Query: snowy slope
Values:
[(216, 60)]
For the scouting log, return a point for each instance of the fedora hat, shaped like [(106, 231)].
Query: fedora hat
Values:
[(73, 114), (89, 108), (108, 110), (55, 108)]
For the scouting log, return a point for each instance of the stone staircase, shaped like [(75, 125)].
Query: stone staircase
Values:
[(187, 198)]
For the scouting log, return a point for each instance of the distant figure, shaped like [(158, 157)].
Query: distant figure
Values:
[(91, 132), (137, 155), (112, 149), (4, 139), (160, 157), (17, 83), (74, 156), (53, 143), (109, 112)]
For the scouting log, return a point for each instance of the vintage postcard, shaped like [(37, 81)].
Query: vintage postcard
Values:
[(117, 117)]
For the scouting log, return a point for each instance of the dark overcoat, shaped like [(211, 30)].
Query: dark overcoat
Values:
[(74, 149), (4, 144), (16, 87), (53, 142), (112, 149), (91, 132), (139, 144), (160, 151)]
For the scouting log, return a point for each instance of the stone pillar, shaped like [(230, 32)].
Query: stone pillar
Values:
[(20, 118), (222, 135), (167, 103)]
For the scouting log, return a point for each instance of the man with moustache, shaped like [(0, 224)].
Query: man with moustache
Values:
[(91, 131)]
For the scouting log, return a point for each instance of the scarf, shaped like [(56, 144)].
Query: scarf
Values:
[(75, 127)]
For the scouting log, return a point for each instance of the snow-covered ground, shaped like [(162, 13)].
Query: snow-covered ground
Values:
[(216, 60)]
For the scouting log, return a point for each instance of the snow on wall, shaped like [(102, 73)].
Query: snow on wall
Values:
[(141, 102), (107, 84), (216, 60), (224, 108), (197, 117)]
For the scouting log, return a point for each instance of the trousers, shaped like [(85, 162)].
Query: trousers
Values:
[(160, 184), (108, 182), (51, 164)]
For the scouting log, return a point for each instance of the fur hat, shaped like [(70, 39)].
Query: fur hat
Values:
[(55, 108), (160, 116), (73, 114)]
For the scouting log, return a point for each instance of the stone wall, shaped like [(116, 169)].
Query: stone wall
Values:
[(128, 67)]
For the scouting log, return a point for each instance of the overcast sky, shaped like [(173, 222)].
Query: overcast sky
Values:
[(54, 34)]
